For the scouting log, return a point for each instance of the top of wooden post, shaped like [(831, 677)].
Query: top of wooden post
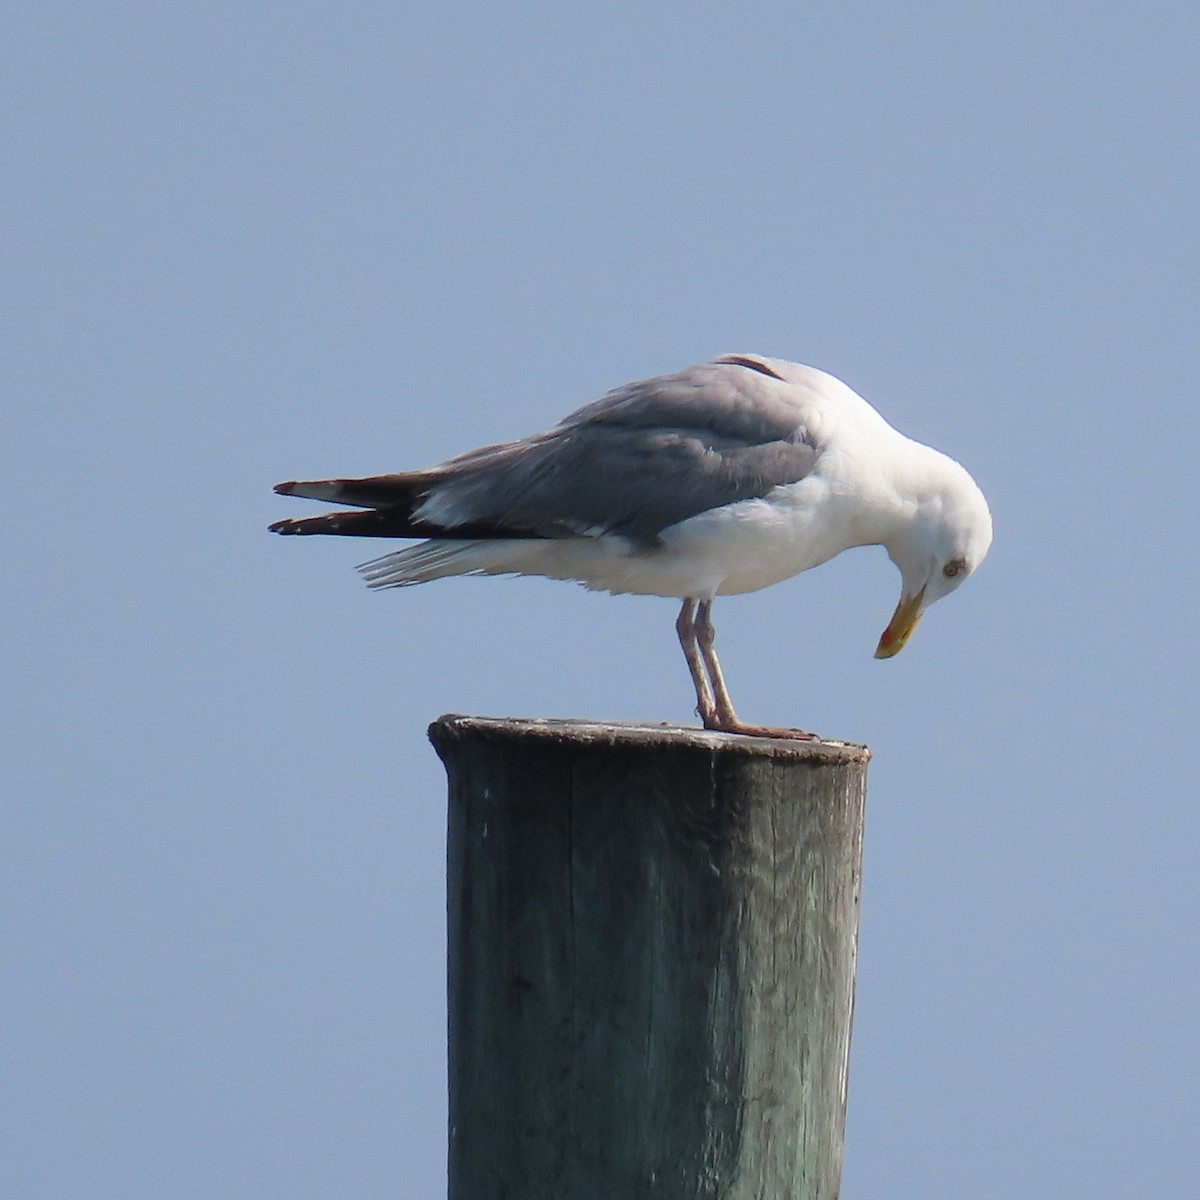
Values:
[(453, 727)]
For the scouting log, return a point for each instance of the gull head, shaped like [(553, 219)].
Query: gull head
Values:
[(944, 534)]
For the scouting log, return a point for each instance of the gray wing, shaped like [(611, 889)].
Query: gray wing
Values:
[(644, 457)]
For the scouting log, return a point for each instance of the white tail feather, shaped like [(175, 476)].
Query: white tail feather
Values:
[(427, 561)]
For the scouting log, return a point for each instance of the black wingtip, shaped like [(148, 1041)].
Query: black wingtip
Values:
[(282, 526), (284, 489)]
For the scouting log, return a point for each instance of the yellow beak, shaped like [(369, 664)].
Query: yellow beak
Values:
[(900, 627)]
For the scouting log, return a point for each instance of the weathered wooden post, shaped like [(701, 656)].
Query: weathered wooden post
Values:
[(652, 938)]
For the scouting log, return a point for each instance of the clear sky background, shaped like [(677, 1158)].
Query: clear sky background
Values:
[(251, 242)]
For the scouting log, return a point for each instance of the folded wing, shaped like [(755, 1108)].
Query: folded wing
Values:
[(641, 459)]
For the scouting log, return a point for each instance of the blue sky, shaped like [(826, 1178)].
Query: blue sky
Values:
[(253, 242)]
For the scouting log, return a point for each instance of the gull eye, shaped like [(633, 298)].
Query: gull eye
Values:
[(953, 568)]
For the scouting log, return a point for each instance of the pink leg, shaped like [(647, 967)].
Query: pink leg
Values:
[(686, 629), (706, 635), (723, 716)]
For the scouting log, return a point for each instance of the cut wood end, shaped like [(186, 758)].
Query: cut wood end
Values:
[(453, 727)]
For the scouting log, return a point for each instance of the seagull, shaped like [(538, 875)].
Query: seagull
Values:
[(722, 478)]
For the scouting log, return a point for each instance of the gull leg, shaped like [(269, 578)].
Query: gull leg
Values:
[(706, 634), (685, 627), (723, 716)]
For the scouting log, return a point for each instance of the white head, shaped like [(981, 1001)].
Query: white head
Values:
[(944, 537)]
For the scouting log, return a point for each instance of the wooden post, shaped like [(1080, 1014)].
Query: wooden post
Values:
[(652, 936)]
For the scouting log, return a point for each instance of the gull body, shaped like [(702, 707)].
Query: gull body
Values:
[(724, 478)]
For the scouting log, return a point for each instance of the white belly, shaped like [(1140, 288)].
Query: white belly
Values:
[(740, 548)]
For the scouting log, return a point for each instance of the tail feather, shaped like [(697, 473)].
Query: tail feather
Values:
[(376, 522), (376, 491), (425, 562), (392, 503)]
